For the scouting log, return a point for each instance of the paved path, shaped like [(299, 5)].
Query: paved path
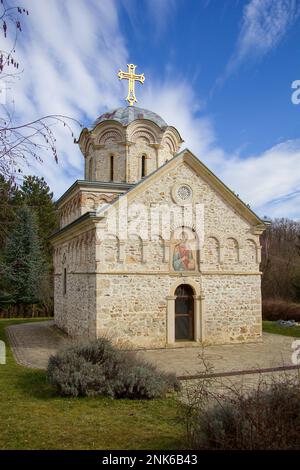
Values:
[(33, 343), (274, 351)]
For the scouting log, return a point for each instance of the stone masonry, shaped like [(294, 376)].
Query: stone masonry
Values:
[(122, 283)]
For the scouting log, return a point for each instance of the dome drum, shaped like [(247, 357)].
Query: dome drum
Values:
[(118, 140)]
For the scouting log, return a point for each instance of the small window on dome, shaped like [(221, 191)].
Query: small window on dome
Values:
[(65, 281), (90, 169), (111, 168), (143, 171)]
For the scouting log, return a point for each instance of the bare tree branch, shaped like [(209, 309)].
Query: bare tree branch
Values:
[(21, 143)]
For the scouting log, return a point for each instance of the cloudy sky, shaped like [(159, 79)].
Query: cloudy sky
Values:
[(219, 71)]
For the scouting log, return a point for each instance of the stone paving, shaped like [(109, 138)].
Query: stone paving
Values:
[(274, 351), (33, 343)]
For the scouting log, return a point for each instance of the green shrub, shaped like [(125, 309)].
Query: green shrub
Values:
[(99, 369), (265, 419), (274, 310)]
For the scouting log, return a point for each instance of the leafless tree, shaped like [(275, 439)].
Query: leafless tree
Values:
[(280, 260), (20, 143)]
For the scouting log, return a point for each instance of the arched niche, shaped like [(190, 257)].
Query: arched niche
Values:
[(198, 311)]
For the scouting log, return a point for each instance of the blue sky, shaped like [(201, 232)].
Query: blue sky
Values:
[(220, 71)]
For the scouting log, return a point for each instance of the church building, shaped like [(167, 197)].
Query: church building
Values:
[(153, 249)]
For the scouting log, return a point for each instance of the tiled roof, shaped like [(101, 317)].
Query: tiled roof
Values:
[(129, 114)]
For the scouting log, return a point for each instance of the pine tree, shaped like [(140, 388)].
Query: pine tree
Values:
[(36, 194), (8, 192), (23, 264)]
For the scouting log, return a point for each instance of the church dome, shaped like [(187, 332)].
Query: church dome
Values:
[(129, 114)]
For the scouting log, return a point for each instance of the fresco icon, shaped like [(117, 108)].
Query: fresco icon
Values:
[(183, 255)]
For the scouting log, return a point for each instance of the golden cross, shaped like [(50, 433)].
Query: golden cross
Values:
[(131, 76)]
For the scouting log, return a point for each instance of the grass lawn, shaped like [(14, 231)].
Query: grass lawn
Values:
[(33, 417), (271, 327)]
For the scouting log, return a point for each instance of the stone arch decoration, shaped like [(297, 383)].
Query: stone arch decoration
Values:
[(231, 251), (81, 251), (170, 141), (110, 135), (144, 135), (212, 251), (187, 280), (198, 310), (89, 161), (72, 254), (157, 249), (89, 148), (110, 248), (89, 239), (90, 203), (146, 131), (133, 250), (251, 252), (84, 141), (175, 225), (77, 253)]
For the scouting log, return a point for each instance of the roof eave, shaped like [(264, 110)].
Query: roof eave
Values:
[(89, 218)]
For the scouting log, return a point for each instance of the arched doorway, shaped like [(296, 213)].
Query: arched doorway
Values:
[(184, 313)]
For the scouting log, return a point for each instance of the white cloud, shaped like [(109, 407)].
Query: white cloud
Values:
[(157, 15), (264, 24), (71, 54), (178, 105), (160, 10), (270, 182)]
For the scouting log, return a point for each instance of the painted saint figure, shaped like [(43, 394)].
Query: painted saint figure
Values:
[(183, 258)]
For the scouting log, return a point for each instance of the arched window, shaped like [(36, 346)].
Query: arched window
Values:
[(111, 168), (184, 290), (65, 281), (143, 169), (90, 169), (184, 313)]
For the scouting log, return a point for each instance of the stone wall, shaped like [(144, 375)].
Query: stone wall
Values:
[(229, 243), (132, 292), (74, 312), (134, 308), (124, 287), (232, 308), (74, 268)]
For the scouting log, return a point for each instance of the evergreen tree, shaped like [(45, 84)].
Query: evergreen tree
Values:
[(8, 191), (23, 263), (36, 194)]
